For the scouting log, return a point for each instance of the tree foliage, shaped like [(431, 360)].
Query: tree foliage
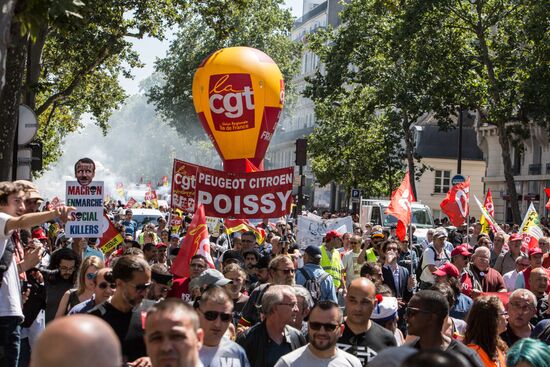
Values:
[(210, 26)]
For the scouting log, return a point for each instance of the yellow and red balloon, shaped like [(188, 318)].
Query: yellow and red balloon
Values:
[(238, 93)]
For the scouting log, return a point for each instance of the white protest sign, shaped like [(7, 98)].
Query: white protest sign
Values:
[(87, 220), (312, 229)]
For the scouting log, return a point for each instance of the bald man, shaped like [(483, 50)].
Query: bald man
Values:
[(362, 337), (78, 340)]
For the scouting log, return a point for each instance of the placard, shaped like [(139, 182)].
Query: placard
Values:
[(86, 220)]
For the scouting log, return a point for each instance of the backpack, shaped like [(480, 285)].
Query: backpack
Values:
[(313, 285), (420, 268)]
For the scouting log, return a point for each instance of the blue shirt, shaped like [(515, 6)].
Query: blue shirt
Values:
[(227, 353), (328, 291), (461, 307), (130, 228), (90, 251)]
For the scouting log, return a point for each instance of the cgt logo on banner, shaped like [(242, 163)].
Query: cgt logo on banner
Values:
[(111, 238), (262, 194), (86, 220), (231, 101), (183, 186)]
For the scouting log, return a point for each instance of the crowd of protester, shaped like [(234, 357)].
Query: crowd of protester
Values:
[(459, 297)]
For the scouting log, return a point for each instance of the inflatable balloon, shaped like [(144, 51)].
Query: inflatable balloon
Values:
[(238, 93)]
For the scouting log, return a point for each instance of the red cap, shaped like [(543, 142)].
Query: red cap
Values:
[(447, 269), (332, 234), (39, 234), (535, 251), (515, 237), (161, 244), (461, 250)]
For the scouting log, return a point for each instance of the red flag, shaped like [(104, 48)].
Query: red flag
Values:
[(130, 203), (547, 191), (456, 204), (400, 206), (196, 241)]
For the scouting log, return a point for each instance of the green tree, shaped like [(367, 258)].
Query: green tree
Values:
[(505, 47), (375, 67), (75, 55), (210, 26)]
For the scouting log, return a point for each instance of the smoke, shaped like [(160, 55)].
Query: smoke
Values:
[(138, 148)]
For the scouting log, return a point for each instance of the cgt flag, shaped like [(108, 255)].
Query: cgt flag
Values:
[(490, 208), (456, 204), (196, 241), (530, 229), (400, 206)]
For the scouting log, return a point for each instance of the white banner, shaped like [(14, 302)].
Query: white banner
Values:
[(87, 221), (312, 229)]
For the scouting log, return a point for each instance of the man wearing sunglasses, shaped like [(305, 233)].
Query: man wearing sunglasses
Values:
[(215, 310), (324, 328), (104, 289), (126, 308)]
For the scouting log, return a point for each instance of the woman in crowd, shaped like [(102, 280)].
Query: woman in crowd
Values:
[(486, 320), (85, 287), (238, 276)]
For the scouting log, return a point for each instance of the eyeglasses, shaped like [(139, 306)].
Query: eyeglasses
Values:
[(66, 268), (213, 315), (141, 287), (503, 313), (90, 276), (287, 271), (411, 311), (327, 326), (521, 307), (104, 285), (354, 242)]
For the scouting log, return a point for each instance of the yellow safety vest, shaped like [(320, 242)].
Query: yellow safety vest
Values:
[(370, 256), (332, 266)]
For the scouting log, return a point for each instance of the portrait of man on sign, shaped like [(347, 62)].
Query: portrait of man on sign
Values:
[(84, 171)]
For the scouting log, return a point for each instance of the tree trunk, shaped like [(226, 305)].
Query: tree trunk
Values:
[(7, 8), (34, 66), (9, 101), (508, 174), (409, 152)]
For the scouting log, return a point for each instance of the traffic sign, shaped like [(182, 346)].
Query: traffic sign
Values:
[(355, 195), (457, 179)]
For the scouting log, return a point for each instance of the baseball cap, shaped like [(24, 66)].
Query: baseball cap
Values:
[(377, 234), (385, 310), (447, 269), (332, 234), (515, 237), (461, 250), (440, 232), (313, 251), (209, 277), (39, 234), (232, 255), (535, 251), (161, 244)]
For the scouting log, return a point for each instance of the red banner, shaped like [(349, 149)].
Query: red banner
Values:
[(130, 203), (400, 206), (456, 204), (183, 186), (264, 194)]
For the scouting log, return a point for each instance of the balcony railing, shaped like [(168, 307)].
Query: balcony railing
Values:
[(535, 169)]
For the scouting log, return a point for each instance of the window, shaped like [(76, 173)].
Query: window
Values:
[(442, 181)]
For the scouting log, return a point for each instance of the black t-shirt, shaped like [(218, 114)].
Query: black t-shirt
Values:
[(366, 346), (457, 347), (128, 326)]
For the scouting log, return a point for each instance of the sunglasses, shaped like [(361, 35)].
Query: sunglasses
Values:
[(141, 287), (213, 315), (104, 285), (90, 276), (318, 325), (411, 311)]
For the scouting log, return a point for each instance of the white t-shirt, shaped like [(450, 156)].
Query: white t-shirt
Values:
[(353, 269), (429, 258), (303, 357), (510, 280), (10, 291)]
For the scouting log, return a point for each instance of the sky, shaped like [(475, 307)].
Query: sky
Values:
[(150, 49)]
